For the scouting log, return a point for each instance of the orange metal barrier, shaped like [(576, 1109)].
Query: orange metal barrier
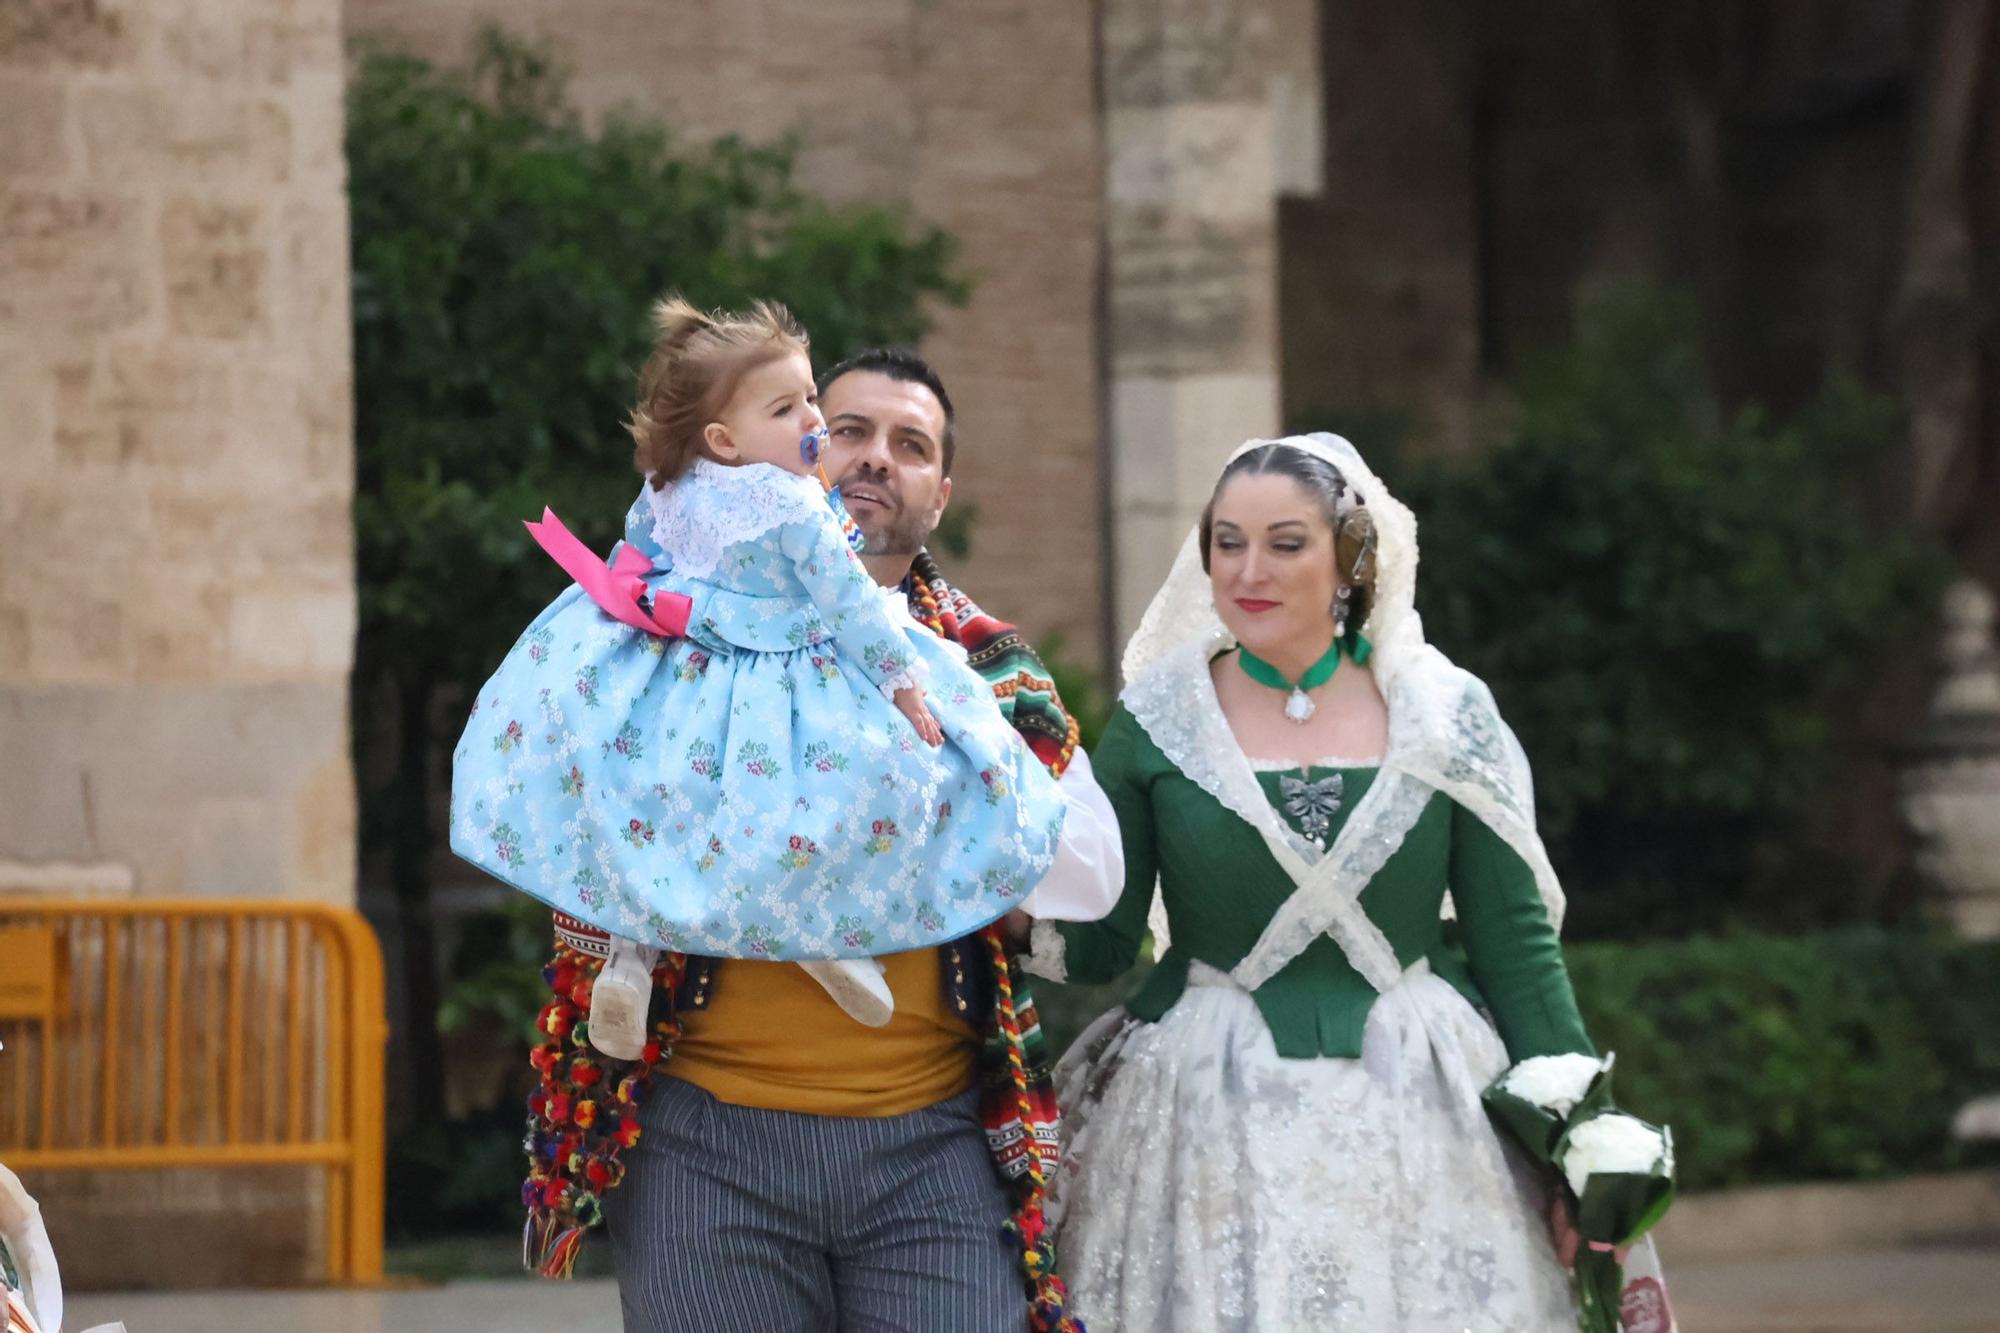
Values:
[(202, 1033)]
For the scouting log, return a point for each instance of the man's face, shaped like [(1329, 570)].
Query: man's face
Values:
[(885, 451)]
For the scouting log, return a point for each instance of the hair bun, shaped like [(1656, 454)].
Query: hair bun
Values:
[(1354, 547)]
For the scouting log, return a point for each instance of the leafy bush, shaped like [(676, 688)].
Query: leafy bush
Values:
[(1675, 606), (1838, 1055)]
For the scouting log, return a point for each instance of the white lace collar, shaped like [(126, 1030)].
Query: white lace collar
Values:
[(1176, 704), (1444, 735), (712, 506), (1323, 761)]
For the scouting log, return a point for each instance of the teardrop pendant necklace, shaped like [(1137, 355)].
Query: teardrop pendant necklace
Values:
[(1299, 707)]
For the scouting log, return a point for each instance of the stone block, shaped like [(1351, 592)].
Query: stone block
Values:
[(1191, 296), (186, 134), (202, 40), (241, 533), (84, 632), (292, 630), (54, 520), (236, 847), (33, 140), (270, 432), (324, 821), (1172, 434), (46, 808), (179, 614), (139, 402), (311, 289), (13, 642), (27, 409), (40, 33), (281, 47), (72, 263), (162, 777), (1212, 160), (326, 411), (1161, 51), (255, 44), (317, 118), (217, 264)]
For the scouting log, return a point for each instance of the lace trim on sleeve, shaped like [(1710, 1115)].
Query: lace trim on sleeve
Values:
[(911, 677), (1045, 957)]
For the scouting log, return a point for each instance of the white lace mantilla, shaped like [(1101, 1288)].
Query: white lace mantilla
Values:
[(712, 507)]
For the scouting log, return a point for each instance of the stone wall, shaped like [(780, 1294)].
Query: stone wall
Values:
[(1211, 115), (973, 116), (176, 566), (176, 592)]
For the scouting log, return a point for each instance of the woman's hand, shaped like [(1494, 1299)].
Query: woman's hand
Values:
[(1568, 1240), (910, 699)]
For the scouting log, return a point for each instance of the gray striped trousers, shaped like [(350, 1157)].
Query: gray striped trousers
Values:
[(735, 1219)]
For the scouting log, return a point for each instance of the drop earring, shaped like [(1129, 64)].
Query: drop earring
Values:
[(1342, 609)]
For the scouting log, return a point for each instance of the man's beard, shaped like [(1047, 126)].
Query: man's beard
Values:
[(904, 537), (894, 532)]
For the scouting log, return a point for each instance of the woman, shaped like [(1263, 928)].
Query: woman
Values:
[(1283, 1129)]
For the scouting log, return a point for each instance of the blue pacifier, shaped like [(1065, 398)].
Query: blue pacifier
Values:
[(809, 447)]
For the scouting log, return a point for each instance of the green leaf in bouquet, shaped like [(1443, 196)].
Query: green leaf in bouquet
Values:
[(1535, 1129), (1617, 1209), (1597, 1099), (1599, 1281)]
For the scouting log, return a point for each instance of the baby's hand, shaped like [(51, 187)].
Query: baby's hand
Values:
[(911, 700)]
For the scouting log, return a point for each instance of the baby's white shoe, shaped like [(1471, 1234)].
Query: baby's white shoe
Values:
[(621, 999), (856, 985)]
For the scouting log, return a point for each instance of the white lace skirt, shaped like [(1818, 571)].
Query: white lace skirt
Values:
[(1208, 1184)]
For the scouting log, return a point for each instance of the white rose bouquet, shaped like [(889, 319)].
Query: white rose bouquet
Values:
[(1619, 1170)]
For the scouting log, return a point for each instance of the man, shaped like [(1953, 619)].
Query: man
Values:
[(788, 1168)]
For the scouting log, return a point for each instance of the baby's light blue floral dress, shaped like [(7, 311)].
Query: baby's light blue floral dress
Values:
[(750, 791)]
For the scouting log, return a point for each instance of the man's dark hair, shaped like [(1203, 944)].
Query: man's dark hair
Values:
[(900, 363)]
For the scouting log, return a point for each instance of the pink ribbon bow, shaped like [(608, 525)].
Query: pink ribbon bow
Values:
[(616, 587)]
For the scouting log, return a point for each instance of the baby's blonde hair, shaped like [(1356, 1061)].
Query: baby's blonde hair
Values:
[(698, 359)]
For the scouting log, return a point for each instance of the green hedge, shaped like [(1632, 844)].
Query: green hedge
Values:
[(1841, 1055)]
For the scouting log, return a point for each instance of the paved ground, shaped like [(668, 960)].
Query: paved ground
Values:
[(502, 1305), (1916, 1291), (1946, 1290)]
